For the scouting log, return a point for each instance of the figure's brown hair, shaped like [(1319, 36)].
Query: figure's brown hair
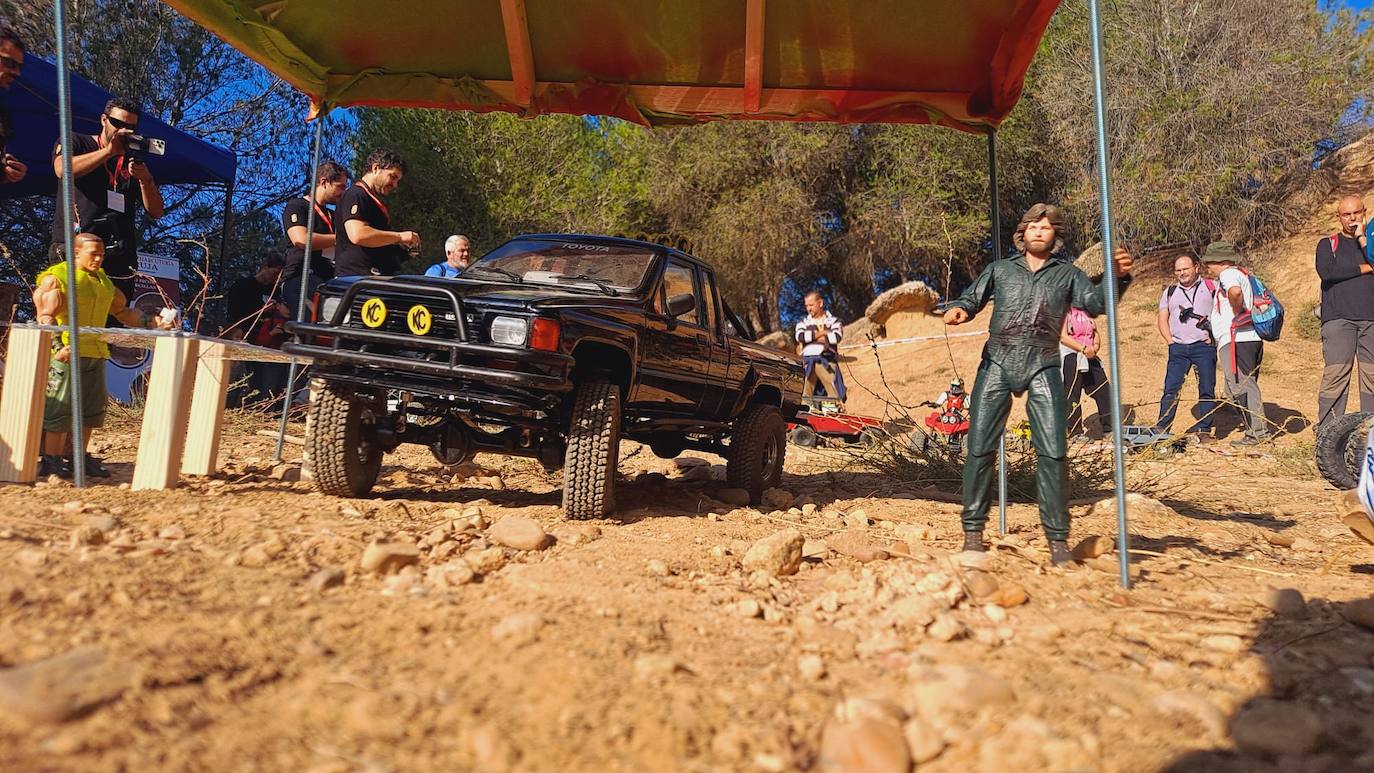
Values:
[(1035, 214)]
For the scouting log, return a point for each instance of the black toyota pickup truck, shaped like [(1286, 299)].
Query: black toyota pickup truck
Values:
[(551, 346)]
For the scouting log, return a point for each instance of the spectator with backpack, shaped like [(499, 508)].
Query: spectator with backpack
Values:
[(1185, 308), (1347, 312), (1240, 349)]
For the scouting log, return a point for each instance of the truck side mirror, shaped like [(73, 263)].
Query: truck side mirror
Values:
[(681, 304)]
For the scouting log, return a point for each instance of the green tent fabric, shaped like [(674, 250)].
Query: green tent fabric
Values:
[(958, 64)]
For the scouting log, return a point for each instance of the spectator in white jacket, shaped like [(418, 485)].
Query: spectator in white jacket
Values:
[(819, 334)]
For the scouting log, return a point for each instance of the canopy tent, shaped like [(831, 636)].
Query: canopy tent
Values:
[(960, 65), (650, 61), (32, 103)]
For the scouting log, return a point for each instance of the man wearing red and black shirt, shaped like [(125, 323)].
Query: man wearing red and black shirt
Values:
[(365, 244), (329, 187), (109, 186)]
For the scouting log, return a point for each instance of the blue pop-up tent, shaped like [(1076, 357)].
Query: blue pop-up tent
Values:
[(32, 104)]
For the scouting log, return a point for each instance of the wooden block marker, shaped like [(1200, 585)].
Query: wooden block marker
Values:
[(21, 403), (207, 410), (165, 413)]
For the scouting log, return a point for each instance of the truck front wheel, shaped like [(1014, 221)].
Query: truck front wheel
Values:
[(345, 457), (757, 450), (593, 453)]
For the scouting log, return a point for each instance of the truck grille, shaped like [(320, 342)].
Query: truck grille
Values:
[(443, 316)]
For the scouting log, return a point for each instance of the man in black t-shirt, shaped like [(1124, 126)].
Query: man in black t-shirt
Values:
[(365, 243), (330, 185), (11, 64), (109, 186)]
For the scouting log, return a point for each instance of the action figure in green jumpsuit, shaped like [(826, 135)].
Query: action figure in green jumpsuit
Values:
[(1031, 293)]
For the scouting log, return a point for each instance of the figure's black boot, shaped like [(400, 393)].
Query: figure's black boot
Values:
[(1060, 554), (973, 542)]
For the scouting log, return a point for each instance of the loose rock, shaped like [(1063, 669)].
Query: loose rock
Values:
[(811, 667), (389, 557), (1193, 705), (658, 666), (862, 735), (485, 561), (733, 496), (1285, 602), (939, 691), (1092, 547), (778, 499), (328, 577), (518, 532), (1135, 503), (1360, 613), (518, 629), (452, 574), (60, 688), (1274, 728), (778, 555), (922, 740)]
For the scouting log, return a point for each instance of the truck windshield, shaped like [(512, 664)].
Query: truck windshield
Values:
[(607, 268)]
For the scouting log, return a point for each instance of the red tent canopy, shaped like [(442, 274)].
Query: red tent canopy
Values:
[(958, 64)]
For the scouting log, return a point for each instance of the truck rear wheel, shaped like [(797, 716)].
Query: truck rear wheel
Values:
[(342, 443), (593, 451), (1332, 441), (757, 450)]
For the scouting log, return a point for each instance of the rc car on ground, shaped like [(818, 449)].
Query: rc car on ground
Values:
[(551, 346)]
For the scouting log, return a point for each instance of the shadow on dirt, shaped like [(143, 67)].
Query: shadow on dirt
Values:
[(1228, 420), (1190, 510), (1315, 714)]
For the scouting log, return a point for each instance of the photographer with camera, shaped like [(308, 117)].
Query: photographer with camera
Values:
[(1183, 323), (111, 181), (11, 65)]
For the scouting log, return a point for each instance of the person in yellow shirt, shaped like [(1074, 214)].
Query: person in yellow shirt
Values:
[(96, 298)]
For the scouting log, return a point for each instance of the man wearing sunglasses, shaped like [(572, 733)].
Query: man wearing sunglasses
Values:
[(11, 64), (110, 185)]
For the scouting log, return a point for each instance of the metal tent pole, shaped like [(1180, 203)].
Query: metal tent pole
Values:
[(64, 120), (1109, 279), (995, 216), (305, 280), (226, 224)]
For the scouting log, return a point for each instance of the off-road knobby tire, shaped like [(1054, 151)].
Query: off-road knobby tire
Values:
[(1331, 450), (804, 436), (344, 456), (871, 437), (1356, 448), (593, 453), (760, 430)]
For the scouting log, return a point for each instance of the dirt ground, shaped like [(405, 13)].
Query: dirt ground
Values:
[(245, 622)]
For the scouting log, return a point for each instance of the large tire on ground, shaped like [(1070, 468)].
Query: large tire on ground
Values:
[(871, 437), (341, 443), (803, 436), (1356, 448), (593, 453), (757, 450), (1332, 442)]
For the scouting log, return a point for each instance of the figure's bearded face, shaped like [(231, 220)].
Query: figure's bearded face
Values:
[(1039, 236)]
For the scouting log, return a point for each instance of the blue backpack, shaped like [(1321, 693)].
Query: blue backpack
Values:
[(1266, 313)]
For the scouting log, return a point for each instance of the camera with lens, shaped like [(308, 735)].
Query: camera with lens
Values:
[(1186, 315), (136, 145)]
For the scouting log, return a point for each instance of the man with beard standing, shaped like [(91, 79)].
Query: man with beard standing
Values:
[(365, 244), (1031, 294)]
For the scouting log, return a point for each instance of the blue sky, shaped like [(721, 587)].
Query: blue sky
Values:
[(1357, 3)]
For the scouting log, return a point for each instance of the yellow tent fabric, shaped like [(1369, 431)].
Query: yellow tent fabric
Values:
[(959, 64)]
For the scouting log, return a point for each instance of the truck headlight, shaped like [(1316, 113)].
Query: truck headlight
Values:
[(509, 331), (328, 305)]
